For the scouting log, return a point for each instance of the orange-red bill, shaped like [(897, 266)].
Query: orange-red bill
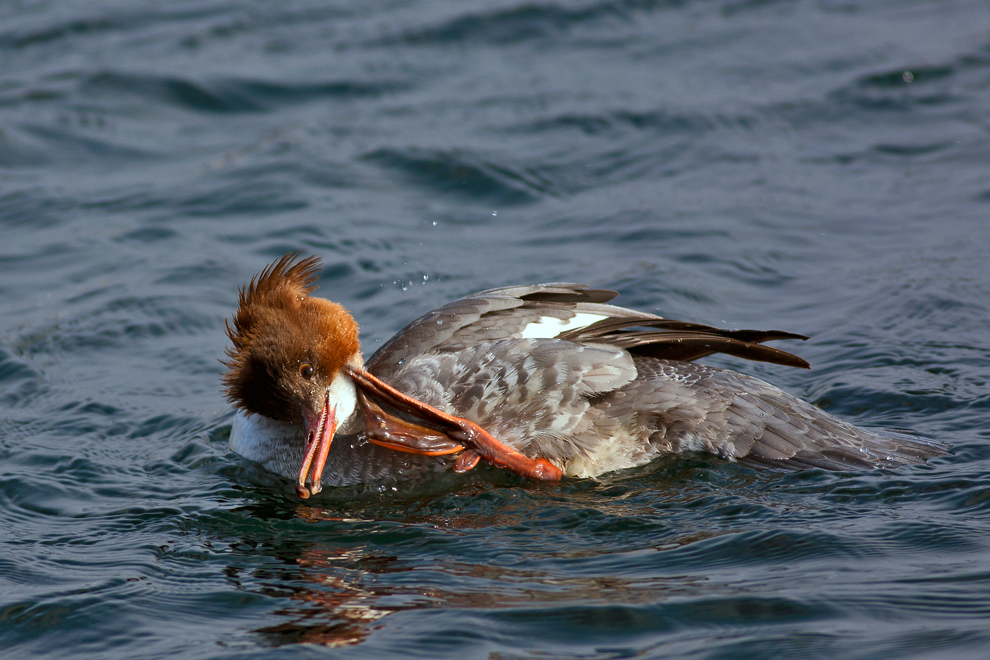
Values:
[(317, 449)]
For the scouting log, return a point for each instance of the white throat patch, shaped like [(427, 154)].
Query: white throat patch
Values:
[(343, 398)]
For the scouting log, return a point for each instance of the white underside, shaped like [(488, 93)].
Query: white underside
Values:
[(276, 445), (619, 452)]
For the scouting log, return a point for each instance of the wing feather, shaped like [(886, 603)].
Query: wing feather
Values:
[(511, 312)]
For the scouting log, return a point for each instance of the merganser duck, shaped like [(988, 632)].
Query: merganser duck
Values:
[(545, 380)]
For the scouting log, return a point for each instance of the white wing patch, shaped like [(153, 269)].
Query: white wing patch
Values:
[(549, 327)]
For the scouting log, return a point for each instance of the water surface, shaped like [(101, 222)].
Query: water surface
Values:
[(817, 167)]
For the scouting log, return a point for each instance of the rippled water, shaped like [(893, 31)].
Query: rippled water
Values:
[(818, 167)]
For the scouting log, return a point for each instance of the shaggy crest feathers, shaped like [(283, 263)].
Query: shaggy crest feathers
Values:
[(277, 327), (279, 285)]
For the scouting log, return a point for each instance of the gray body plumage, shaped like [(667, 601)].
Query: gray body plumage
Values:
[(555, 372)]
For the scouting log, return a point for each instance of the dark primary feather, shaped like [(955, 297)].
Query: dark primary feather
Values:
[(504, 313), (679, 340)]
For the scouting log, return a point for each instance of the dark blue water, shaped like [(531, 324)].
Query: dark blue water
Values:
[(818, 167)]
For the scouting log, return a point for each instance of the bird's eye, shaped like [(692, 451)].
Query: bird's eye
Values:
[(306, 370)]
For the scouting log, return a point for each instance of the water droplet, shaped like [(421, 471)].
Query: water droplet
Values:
[(494, 213), (908, 77), (426, 277), (402, 361), (439, 321), (434, 223)]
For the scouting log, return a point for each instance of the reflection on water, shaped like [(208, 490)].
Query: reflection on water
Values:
[(339, 594), (342, 604)]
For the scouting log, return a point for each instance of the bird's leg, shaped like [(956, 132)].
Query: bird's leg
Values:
[(460, 430)]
